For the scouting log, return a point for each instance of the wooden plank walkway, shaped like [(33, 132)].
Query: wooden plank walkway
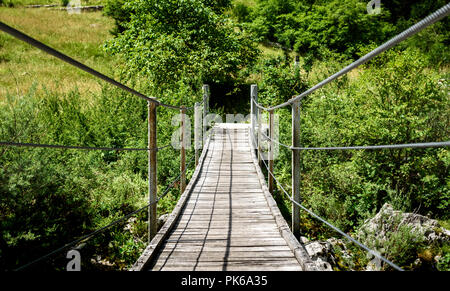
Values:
[(226, 222)]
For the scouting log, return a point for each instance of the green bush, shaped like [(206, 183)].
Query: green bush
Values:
[(241, 12), (182, 44), (53, 196), (315, 27)]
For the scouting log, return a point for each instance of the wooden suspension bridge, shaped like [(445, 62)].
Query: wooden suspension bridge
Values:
[(226, 220)]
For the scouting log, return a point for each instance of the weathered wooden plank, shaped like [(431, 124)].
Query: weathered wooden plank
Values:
[(230, 241), (233, 251), (230, 268), (226, 217), (221, 259)]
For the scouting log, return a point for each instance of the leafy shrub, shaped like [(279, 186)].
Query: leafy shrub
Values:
[(241, 12), (53, 196), (182, 43), (444, 262)]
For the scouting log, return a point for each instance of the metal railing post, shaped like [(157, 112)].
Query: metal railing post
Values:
[(197, 131), (152, 168), (183, 151), (271, 129), (205, 109), (296, 168)]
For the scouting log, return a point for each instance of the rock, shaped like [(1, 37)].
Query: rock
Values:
[(323, 265), (380, 228), (387, 220), (340, 245), (129, 225), (321, 253), (371, 266), (162, 219), (304, 240)]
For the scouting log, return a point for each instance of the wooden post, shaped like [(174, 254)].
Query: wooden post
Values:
[(259, 136), (296, 164), (253, 113), (271, 128), (152, 219), (205, 110), (197, 131), (183, 151)]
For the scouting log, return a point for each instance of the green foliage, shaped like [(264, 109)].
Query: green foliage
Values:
[(119, 12), (340, 26), (444, 261), (182, 43), (7, 3), (241, 12), (53, 196), (405, 106), (345, 27), (279, 81), (400, 245)]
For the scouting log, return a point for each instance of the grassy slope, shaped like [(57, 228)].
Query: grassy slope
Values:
[(80, 36), (44, 2)]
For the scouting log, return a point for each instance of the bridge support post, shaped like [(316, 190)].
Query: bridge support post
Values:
[(259, 136), (152, 189), (253, 114), (197, 131), (271, 150), (183, 151), (205, 110), (296, 168)]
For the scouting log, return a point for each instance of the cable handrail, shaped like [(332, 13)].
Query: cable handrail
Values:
[(35, 145), (368, 147), (376, 254), (45, 48), (102, 229), (427, 21)]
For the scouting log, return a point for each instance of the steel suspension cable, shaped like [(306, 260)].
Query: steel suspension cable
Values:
[(369, 147), (35, 145)]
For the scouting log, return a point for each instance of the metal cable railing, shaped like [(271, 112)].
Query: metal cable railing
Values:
[(53, 146), (370, 147)]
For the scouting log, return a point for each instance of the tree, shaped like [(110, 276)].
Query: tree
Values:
[(174, 41)]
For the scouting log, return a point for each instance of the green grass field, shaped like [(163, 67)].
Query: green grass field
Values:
[(45, 2), (80, 36)]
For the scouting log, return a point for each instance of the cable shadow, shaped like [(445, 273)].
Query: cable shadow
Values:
[(212, 211), (184, 208)]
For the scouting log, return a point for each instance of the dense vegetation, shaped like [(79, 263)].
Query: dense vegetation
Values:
[(169, 48)]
